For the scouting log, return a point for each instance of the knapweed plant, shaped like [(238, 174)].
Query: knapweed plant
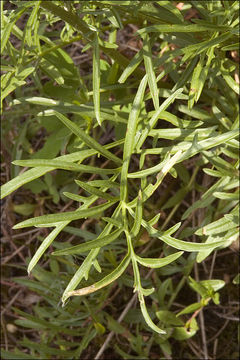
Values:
[(123, 131)]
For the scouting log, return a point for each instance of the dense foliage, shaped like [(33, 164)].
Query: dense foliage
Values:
[(126, 114)]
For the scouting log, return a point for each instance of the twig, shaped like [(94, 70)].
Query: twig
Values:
[(215, 348), (18, 251), (198, 352), (201, 316), (219, 332), (11, 302), (232, 318), (110, 335), (20, 235), (212, 264), (4, 332)]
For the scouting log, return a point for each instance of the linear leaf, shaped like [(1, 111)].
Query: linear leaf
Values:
[(193, 50), (229, 238), (204, 73), (136, 60), (74, 197), (45, 244), (146, 172), (94, 191), (59, 164), (33, 174), (73, 19), (231, 82), (31, 24), (150, 189), (130, 136), (176, 243), (181, 28), (226, 195), (8, 27), (51, 71), (216, 227), (96, 78), (89, 245), (152, 122), (106, 183), (188, 246), (157, 263), (115, 274), (81, 273), (147, 317), (88, 140), (67, 216), (22, 179), (138, 219), (195, 82), (87, 263), (183, 134), (152, 82)]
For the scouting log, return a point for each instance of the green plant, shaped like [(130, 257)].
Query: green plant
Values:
[(125, 199)]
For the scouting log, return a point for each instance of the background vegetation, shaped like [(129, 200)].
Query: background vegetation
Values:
[(126, 114)]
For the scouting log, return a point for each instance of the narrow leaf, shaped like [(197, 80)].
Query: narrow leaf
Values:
[(89, 245), (152, 82), (96, 78), (188, 246), (138, 219), (94, 191), (60, 164), (115, 274), (181, 28), (136, 60), (147, 317), (22, 179), (152, 122), (45, 244), (86, 138), (66, 216), (157, 263), (130, 136)]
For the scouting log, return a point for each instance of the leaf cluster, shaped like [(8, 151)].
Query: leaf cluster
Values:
[(183, 73)]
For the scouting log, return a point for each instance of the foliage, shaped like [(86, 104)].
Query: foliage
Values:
[(174, 100)]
